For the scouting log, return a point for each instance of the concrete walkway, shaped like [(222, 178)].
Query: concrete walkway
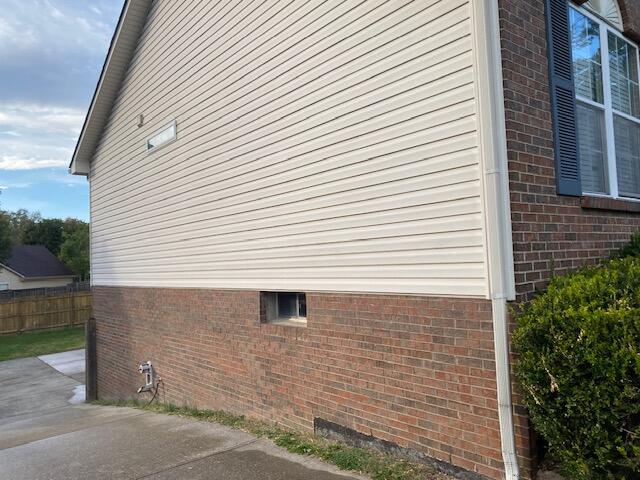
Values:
[(44, 435)]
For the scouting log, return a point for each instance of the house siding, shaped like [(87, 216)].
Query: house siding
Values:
[(331, 147), (9, 278), (416, 371)]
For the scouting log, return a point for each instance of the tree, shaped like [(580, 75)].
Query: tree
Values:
[(47, 232), (25, 228), (74, 251), (5, 236), (20, 221)]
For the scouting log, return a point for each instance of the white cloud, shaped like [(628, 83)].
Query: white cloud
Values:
[(41, 118), (37, 136), (53, 11), (39, 25), (16, 37), (16, 185), (50, 51), (13, 162)]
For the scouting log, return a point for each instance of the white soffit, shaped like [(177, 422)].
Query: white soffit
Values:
[(123, 44)]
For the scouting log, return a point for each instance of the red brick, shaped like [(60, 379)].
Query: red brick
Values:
[(374, 363)]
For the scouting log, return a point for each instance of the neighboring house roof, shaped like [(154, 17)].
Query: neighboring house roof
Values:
[(35, 261), (123, 44)]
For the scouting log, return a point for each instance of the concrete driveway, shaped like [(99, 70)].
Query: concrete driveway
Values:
[(47, 433)]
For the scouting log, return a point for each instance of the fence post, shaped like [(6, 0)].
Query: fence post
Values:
[(72, 316), (21, 316), (91, 358)]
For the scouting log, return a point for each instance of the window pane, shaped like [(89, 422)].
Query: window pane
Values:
[(587, 63), (624, 75), (165, 135), (591, 139), (287, 305), (627, 135)]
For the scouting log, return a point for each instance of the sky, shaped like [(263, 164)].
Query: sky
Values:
[(51, 55)]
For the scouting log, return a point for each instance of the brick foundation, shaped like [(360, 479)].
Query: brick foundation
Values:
[(415, 371)]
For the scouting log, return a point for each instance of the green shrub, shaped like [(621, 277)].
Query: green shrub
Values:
[(579, 369), (632, 249)]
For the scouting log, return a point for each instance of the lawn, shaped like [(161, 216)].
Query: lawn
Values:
[(31, 344)]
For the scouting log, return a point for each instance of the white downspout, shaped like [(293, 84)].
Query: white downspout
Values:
[(503, 382), (497, 212)]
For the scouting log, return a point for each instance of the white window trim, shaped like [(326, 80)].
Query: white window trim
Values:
[(173, 124), (608, 109)]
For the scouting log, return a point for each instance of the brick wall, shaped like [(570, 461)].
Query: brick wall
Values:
[(630, 10), (415, 371), (550, 232)]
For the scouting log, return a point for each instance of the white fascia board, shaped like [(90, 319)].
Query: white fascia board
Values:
[(47, 277), (12, 270), (123, 44)]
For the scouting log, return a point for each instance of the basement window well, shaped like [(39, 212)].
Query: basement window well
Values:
[(284, 308)]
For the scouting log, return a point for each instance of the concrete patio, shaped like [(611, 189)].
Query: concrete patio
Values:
[(46, 432)]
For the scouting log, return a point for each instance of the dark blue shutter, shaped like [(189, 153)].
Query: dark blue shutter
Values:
[(563, 98)]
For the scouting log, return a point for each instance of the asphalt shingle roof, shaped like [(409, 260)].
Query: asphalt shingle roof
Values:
[(35, 261)]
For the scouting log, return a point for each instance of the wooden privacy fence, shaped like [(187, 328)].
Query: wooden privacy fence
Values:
[(44, 312)]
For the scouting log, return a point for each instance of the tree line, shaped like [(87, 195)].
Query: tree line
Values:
[(68, 239)]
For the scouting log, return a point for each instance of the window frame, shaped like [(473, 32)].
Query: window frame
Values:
[(172, 124), (5, 284), (270, 309), (611, 167)]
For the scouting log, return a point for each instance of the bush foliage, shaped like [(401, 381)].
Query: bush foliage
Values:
[(579, 369), (632, 249)]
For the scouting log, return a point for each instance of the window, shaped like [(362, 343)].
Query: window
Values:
[(4, 286), (163, 136), (606, 73), (284, 307)]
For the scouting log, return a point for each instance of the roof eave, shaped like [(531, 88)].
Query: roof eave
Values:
[(114, 69), (47, 277), (2, 265)]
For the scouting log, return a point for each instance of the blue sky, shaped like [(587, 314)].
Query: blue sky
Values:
[(51, 54)]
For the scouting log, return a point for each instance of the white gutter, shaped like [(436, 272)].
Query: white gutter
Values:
[(497, 212)]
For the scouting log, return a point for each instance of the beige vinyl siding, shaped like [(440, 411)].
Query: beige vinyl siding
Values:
[(320, 146)]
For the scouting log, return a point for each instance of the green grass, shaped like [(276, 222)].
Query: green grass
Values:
[(31, 344), (376, 464)]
